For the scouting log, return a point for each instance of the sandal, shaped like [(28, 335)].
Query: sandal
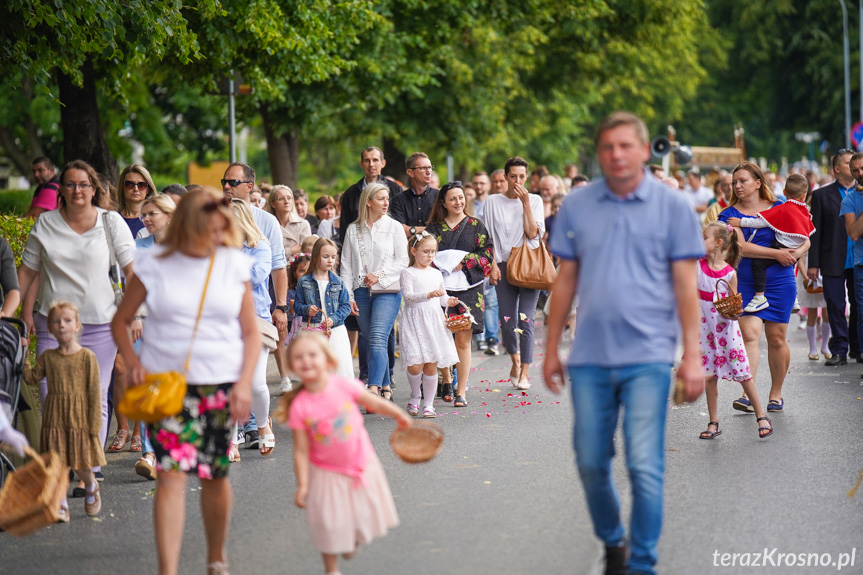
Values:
[(446, 392), (234, 454), (137, 444), (768, 428), (268, 441), (711, 433), (217, 568), (460, 401), (387, 393), (413, 409), (121, 438)]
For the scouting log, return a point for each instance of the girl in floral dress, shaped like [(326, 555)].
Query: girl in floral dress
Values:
[(723, 355)]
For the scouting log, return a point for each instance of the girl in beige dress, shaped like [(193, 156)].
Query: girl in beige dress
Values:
[(72, 414)]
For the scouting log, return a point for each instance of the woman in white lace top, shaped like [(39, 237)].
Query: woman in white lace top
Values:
[(374, 254)]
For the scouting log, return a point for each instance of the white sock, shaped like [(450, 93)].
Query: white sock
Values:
[(813, 339), (415, 382), (429, 389), (825, 336)]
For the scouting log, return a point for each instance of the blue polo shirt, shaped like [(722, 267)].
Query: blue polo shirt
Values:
[(852, 203), (627, 313)]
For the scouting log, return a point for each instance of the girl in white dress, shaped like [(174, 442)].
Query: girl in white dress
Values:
[(426, 342), (322, 297)]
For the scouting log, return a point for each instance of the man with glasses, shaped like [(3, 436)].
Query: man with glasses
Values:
[(413, 207), (716, 208), (833, 257), (47, 188), (372, 162), (238, 182)]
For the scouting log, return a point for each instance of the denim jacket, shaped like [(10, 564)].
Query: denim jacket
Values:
[(338, 304)]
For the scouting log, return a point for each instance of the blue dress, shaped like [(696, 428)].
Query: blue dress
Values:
[(781, 289)]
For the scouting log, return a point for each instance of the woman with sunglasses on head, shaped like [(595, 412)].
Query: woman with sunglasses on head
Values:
[(69, 247), (201, 322), (465, 256), (134, 187)]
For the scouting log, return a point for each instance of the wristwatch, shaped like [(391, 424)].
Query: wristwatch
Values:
[(413, 230), (282, 308)]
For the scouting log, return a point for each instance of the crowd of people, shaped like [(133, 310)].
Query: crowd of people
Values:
[(210, 282)]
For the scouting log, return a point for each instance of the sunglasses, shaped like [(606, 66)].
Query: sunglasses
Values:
[(234, 183), (449, 186), (214, 205), (132, 185)]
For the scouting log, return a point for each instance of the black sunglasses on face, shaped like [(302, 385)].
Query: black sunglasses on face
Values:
[(234, 183)]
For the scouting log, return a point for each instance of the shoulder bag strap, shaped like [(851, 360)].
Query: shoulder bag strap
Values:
[(113, 270), (200, 310), (362, 245)]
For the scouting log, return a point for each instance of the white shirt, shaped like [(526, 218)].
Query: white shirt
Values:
[(787, 240), (504, 219), (74, 267), (174, 287), (699, 197), (386, 252)]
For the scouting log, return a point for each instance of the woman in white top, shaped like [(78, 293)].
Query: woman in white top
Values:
[(512, 218), (201, 248), (374, 254), (66, 259), (294, 229)]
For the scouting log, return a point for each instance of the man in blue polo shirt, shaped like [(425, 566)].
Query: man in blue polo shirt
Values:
[(629, 245)]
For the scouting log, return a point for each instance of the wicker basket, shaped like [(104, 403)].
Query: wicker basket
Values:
[(30, 499), (318, 327), (418, 443), (459, 322), (730, 306)]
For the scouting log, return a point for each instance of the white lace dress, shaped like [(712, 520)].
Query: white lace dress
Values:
[(424, 336)]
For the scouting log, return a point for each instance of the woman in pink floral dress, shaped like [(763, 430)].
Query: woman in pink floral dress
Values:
[(723, 355)]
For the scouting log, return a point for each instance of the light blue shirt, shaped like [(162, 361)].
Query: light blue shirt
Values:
[(852, 203), (260, 279), (269, 226), (850, 259), (627, 313)]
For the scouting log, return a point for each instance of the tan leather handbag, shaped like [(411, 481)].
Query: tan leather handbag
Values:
[(531, 268)]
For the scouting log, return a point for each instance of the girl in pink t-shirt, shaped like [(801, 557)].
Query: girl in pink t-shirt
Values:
[(344, 491)]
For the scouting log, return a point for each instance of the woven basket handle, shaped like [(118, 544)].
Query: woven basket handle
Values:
[(323, 319), (730, 291)]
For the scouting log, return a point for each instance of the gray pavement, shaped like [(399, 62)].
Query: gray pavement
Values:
[(504, 496)]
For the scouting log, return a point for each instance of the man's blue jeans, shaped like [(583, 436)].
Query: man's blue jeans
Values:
[(377, 317), (858, 297), (492, 327), (598, 393)]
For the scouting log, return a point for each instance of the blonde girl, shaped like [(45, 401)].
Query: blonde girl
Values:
[(336, 465), (723, 355), (426, 342)]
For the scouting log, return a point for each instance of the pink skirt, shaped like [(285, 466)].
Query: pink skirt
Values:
[(341, 516)]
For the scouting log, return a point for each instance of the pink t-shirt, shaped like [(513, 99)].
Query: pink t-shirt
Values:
[(338, 440), (45, 196)]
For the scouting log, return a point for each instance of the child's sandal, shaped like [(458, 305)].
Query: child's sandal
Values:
[(762, 428), (711, 433), (413, 409)]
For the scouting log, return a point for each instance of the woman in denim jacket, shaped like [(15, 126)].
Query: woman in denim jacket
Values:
[(324, 302)]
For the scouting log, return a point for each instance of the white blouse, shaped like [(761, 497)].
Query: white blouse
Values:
[(74, 267), (504, 219), (386, 248)]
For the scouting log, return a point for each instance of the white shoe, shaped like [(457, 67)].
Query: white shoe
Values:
[(523, 384), (757, 303), (285, 386), (796, 307), (429, 412)]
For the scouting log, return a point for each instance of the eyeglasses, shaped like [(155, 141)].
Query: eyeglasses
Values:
[(151, 215), (70, 186), (427, 169), (234, 183), (214, 205), (132, 185)]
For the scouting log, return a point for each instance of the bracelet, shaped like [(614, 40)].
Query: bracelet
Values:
[(140, 317)]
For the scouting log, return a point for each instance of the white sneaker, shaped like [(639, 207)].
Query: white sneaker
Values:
[(796, 307), (429, 412), (757, 303), (523, 384), (285, 386)]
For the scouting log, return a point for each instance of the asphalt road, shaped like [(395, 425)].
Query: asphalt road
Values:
[(504, 498)]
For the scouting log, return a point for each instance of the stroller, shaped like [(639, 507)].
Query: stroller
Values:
[(13, 354)]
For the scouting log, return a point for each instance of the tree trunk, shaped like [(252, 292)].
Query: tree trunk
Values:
[(395, 161), (283, 151), (82, 127)]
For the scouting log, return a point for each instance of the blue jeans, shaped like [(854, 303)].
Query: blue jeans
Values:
[(858, 297), (363, 352), (492, 327), (377, 317), (598, 393)]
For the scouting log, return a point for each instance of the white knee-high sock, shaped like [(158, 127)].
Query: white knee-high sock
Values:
[(429, 389), (813, 339), (825, 336), (415, 382)]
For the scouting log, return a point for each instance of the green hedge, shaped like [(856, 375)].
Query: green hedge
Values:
[(15, 201), (15, 230)]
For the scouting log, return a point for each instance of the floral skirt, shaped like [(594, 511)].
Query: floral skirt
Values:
[(197, 439)]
